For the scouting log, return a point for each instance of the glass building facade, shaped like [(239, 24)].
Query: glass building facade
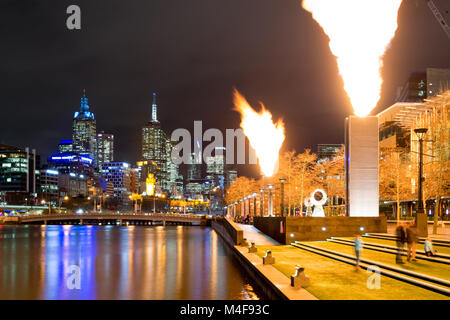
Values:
[(84, 131), (19, 175), (105, 148)]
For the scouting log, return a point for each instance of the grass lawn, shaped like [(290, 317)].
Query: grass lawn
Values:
[(334, 280), (434, 269), (419, 246)]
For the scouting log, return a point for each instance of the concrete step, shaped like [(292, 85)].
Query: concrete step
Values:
[(388, 273), (414, 274), (385, 236), (391, 249)]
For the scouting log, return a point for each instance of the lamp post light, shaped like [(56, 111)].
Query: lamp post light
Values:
[(282, 197), (254, 204), (420, 132), (421, 219), (270, 201), (261, 202)]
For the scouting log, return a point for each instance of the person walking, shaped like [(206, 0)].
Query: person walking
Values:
[(358, 249), (411, 239), (428, 247), (401, 239)]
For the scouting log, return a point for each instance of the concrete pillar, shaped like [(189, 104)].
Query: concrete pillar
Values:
[(361, 170)]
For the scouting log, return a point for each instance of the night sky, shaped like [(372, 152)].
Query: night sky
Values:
[(192, 53)]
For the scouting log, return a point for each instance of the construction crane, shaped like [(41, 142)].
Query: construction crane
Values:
[(439, 17)]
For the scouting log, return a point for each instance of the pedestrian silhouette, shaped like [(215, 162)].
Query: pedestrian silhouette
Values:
[(411, 239), (401, 239)]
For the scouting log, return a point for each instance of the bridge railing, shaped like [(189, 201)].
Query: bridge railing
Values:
[(130, 215)]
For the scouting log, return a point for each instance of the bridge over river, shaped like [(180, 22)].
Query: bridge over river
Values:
[(108, 218)]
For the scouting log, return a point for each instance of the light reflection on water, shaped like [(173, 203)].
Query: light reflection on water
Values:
[(134, 262)]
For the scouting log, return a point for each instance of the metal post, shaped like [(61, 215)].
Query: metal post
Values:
[(270, 202), (420, 208), (282, 197), (261, 203)]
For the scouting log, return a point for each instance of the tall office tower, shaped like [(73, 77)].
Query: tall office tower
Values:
[(154, 143), (216, 164), (215, 169), (84, 131), (105, 148), (172, 172), (194, 171)]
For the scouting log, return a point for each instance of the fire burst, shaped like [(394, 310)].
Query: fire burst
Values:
[(359, 32), (264, 136)]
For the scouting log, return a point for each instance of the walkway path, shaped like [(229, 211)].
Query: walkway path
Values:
[(252, 234)]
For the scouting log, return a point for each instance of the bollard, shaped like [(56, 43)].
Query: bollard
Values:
[(268, 259), (252, 248), (299, 279)]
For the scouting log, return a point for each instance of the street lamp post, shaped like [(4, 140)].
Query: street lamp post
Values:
[(261, 202), (421, 221), (270, 202), (420, 132), (282, 197)]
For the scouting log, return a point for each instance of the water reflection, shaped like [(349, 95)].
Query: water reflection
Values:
[(133, 262)]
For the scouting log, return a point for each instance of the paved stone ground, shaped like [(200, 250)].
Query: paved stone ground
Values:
[(275, 276), (254, 235)]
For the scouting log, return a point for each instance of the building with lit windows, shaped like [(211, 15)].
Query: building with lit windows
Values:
[(72, 163), (19, 175), (216, 164), (119, 174), (65, 146), (156, 149), (73, 185), (49, 186), (396, 134), (231, 175), (84, 131), (327, 151), (105, 148), (194, 171), (423, 85)]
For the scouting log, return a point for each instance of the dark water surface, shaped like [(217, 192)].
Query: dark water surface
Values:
[(133, 262)]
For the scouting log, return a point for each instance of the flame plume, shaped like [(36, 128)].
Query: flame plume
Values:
[(359, 31), (264, 136)]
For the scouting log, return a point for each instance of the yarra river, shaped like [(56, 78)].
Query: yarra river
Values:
[(112, 262)]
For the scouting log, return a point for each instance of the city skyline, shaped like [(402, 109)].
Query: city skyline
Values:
[(121, 97), (217, 155)]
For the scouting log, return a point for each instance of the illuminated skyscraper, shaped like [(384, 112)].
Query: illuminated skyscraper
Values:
[(216, 164), (105, 148), (84, 131), (154, 146)]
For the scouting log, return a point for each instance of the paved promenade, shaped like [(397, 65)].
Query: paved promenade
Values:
[(275, 276), (254, 235)]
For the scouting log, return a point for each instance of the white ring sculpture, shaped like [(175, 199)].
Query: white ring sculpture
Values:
[(318, 209)]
